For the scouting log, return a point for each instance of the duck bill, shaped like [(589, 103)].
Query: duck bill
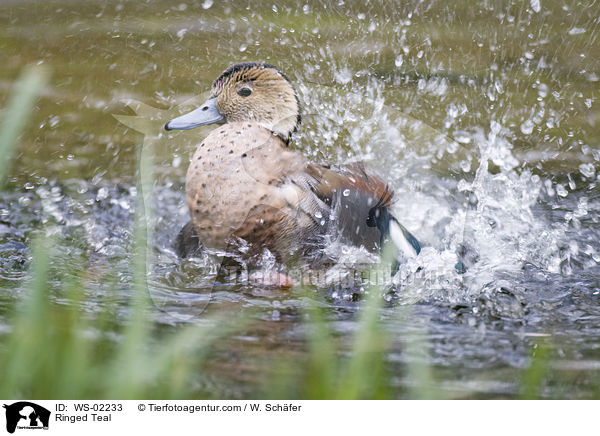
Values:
[(206, 114)]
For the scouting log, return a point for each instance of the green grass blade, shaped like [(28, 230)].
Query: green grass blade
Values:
[(17, 113), (365, 373), (534, 376), (30, 329)]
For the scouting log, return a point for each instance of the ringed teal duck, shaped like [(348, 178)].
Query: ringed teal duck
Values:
[(245, 185)]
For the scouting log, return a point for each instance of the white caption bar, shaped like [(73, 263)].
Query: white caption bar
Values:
[(24, 417)]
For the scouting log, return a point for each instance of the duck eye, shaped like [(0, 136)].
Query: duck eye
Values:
[(244, 92)]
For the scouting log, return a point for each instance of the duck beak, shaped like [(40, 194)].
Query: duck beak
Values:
[(204, 115)]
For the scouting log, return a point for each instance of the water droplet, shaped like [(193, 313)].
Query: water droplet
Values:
[(102, 194), (243, 47), (463, 185), (176, 161), (587, 170), (462, 136), (207, 4), (181, 33), (535, 5), (527, 127), (561, 190), (573, 247), (346, 192), (399, 61), (343, 76)]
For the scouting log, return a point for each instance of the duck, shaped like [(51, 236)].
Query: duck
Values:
[(247, 190)]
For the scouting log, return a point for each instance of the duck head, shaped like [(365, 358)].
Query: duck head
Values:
[(252, 92)]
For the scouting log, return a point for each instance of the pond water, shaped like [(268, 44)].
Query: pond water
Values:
[(483, 116)]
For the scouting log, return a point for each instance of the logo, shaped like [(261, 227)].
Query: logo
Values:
[(26, 415)]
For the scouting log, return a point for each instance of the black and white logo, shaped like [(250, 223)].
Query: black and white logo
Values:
[(26, 415)]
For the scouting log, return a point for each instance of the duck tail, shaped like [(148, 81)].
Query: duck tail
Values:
[(404, 241), (405, 244)]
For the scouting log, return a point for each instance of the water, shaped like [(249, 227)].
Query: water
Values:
[(483, 117)]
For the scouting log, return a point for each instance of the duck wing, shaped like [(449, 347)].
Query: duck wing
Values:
[(360, 208)]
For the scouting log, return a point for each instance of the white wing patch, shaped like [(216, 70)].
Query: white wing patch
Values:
[(400, 241)]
